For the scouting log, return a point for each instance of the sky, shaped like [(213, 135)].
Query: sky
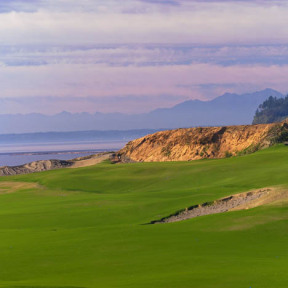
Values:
[(134, 56)]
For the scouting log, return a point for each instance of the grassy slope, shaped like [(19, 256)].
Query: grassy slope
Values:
[(84, 229)]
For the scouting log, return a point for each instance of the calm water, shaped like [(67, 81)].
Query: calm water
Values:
[(18, 154)]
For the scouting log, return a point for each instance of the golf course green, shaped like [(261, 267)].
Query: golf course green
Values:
[(87, 227)]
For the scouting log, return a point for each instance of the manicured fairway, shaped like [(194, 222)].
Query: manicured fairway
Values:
[(84, 227)]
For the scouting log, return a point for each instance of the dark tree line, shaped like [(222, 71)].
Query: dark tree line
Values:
[(271, 110)]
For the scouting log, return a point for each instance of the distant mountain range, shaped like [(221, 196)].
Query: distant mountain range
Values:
[(228, 109)]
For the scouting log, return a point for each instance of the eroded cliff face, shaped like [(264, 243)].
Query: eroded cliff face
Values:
[(198, 143), (44, 165), (37, 166)]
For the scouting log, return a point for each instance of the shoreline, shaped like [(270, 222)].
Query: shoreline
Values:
[(56, 152)]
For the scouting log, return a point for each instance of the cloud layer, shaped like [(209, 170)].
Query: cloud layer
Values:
[(160, 52), (140, 22)]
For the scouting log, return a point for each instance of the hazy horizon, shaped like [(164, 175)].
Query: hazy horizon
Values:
[(54, 113)]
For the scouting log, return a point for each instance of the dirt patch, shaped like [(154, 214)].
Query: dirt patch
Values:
[(10, 187), (251, 222), (90, 160), (241, 201)]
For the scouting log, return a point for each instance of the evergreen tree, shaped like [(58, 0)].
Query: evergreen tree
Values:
[(271, 110)]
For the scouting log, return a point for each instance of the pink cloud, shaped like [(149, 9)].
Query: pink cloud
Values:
[(185, 81)]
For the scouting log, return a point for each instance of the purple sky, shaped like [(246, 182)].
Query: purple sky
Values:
[(137, 55)]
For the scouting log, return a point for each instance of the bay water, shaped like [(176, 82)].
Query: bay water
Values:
[(21, 153)]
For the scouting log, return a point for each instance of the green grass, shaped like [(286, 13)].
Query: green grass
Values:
[(83, 227)]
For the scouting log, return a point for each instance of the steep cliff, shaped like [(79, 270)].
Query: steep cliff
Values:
[(198, 143)]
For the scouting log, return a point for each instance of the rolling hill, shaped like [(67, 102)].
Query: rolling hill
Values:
[(87, 227)]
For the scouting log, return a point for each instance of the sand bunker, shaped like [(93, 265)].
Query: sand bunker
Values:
[(241, 201)]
